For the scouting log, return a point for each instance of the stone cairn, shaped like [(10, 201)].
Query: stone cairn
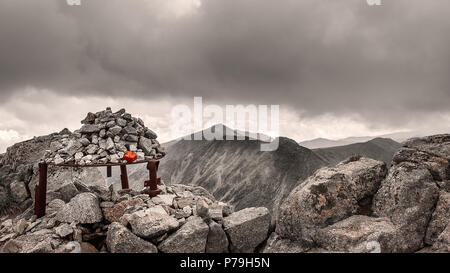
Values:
[(104, 138)]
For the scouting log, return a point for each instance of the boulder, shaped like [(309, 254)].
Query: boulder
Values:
[(60, 180), (247, 228), (8, 223), (115, 130), (432, 152), (186, 201), (72, 247), (54, 206), (30, 243), (216, 213), (276, 244), (167, 199), (68, 191), (90, 128), (11, 246), (130, 130), (217, 239), (120, 240), (18, 191), (150, 134), (145, 144), (85, 141), (92, 149), (86, 247), (440, 219), (21, 226), (117, 211), (90, 118), (109, 144), (438, 145), (442, 243), (359, 234), (83, 208), (121, 122), (149, 223), (330, 195), (73, 147), (64, 230), (190, 238), (407, 196), (103, 193), (202, 208)]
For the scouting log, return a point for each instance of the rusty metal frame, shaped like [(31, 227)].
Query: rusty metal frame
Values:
[(152, 167), (40, 192)]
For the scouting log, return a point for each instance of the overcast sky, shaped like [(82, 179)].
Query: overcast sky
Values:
[(336, 68)]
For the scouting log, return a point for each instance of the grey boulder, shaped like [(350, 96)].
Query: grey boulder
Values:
[(442, 243), (120, 240), (247, 228), (83, 208), (407, 197), (190, 238), (276, 244), (90, 128), (359, 234), (64, 230), (18, 190), (440, 219), (330, 195), (151, 223), (145, 144), (67, 191), (217, 239)]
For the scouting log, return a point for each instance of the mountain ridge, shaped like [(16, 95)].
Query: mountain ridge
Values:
[(382, 149), (318, 143), (238, 173)]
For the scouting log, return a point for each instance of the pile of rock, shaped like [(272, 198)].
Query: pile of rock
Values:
[(182, 219), (105, 137)]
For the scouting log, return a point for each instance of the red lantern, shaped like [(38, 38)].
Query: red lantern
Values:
[(130, 156)]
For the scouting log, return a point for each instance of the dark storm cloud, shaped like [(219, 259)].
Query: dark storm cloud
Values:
[(316, 55)]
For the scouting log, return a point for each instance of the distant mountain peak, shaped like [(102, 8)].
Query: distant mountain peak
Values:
[(228, 133)]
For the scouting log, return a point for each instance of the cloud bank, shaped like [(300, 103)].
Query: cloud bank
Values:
[(381, 68)]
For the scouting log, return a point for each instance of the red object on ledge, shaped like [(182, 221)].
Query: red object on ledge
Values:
[(130, 156)]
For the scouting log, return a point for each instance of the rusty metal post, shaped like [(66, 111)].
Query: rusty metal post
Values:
[(152, 167), (124, 176), (108, 171), (41, 191)]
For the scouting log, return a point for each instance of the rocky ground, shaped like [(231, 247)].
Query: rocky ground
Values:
[(19, 175), (182, 219), (359, 205)]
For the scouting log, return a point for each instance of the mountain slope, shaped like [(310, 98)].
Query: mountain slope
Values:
[(381, 149), (237, 171), (319, 143)]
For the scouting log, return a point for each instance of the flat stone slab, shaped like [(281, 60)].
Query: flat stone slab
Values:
[(247, 228)]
